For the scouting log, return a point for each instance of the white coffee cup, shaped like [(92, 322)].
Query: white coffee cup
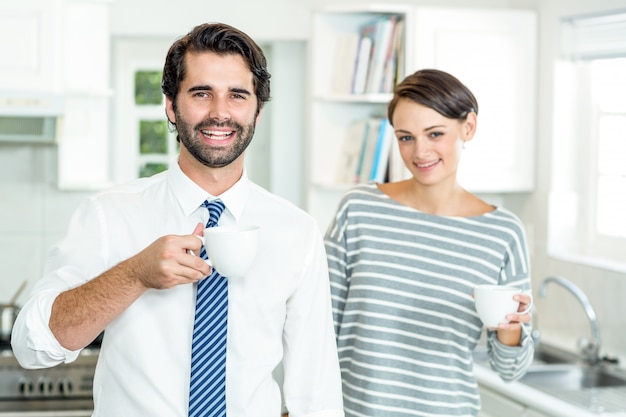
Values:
[(495, 302), (231, 250)]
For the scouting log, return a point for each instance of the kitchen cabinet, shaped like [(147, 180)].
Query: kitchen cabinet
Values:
[(534, 413), (492, 51), (56, 46), (29, 43), (60, 49), (83, 142), (495, 404)]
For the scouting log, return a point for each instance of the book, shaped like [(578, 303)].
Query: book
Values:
[(366, 43), (380, 51), (346, 56), (362, 151), (369, 148), (381, 155), (350, 155), (394, 66)]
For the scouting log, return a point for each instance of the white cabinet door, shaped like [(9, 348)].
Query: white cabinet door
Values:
[(29, 43), (496, 405), (534, 413), (84, 137), (493, 52), (61, 49)]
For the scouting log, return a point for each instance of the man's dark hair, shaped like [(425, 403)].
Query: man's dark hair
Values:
[(221, 39)]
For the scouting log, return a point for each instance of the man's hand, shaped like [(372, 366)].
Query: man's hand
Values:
[(170, 261)]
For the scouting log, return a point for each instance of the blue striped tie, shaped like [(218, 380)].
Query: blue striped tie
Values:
[(207, 394)]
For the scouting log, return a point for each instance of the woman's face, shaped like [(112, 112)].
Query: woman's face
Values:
[(430, 144)]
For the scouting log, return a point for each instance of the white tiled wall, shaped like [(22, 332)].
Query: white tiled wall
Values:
[(33, 214)]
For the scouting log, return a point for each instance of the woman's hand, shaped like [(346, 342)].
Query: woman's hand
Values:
[(510, 333)]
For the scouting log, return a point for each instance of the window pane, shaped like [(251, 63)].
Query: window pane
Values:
[(150, 169), (608, 78), (612, 145), (611, 218), (148, 88), (153, 136)]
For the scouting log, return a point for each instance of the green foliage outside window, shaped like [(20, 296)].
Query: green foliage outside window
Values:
[(153, 137), (148, 88), (151, 168)]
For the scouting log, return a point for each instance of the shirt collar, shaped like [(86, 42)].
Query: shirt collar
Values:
[(190, 195)]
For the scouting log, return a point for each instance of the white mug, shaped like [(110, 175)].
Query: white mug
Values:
[(231, 250), (495, 302)]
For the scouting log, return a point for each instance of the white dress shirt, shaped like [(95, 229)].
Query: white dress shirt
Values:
[(279, 313)]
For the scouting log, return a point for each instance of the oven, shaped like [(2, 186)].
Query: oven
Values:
[(62, 391)]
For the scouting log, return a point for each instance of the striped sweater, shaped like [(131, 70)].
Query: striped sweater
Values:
[(402, 284)]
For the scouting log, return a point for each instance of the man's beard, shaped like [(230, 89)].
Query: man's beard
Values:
[(213, 157)]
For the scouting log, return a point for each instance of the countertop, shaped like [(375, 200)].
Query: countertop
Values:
[(566, 404)]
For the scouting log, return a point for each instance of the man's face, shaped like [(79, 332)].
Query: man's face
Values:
[(216, 108)]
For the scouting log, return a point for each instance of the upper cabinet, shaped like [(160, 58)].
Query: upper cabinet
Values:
[(29, 43), (493, 52), (60, 50), (59, 46), (84, 148)]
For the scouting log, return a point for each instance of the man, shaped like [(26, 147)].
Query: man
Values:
[(128, 266)]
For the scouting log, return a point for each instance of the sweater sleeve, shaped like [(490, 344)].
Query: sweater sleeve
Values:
[(336, 250), (512, 362)]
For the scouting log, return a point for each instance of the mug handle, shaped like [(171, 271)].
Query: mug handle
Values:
[(529, 306), (208, 261)]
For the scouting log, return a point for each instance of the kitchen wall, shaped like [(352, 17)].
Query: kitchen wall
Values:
[(34, 213)]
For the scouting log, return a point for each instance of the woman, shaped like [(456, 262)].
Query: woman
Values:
[(404, 258)]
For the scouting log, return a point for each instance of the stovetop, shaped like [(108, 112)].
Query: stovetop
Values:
[(95, 344), (65, 385)]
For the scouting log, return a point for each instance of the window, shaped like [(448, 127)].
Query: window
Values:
[(144, 144), (608, 77), (157, 146), (587, 219)]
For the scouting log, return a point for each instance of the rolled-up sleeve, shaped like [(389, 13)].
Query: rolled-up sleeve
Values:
[(32, 342), (70, 263)]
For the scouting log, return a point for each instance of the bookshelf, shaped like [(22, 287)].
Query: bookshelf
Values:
[(334, 107), (491, 51)]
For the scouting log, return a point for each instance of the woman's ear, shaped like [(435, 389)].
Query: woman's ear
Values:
[(469, 126)]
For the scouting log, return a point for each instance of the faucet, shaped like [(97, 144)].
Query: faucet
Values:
[(590, 349)]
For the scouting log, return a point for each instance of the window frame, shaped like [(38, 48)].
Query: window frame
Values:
[(573, 205), (600, 244)]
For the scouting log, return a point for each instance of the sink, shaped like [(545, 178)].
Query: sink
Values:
[(562, 375), (555, 369), (568, 377), (546, 354)]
